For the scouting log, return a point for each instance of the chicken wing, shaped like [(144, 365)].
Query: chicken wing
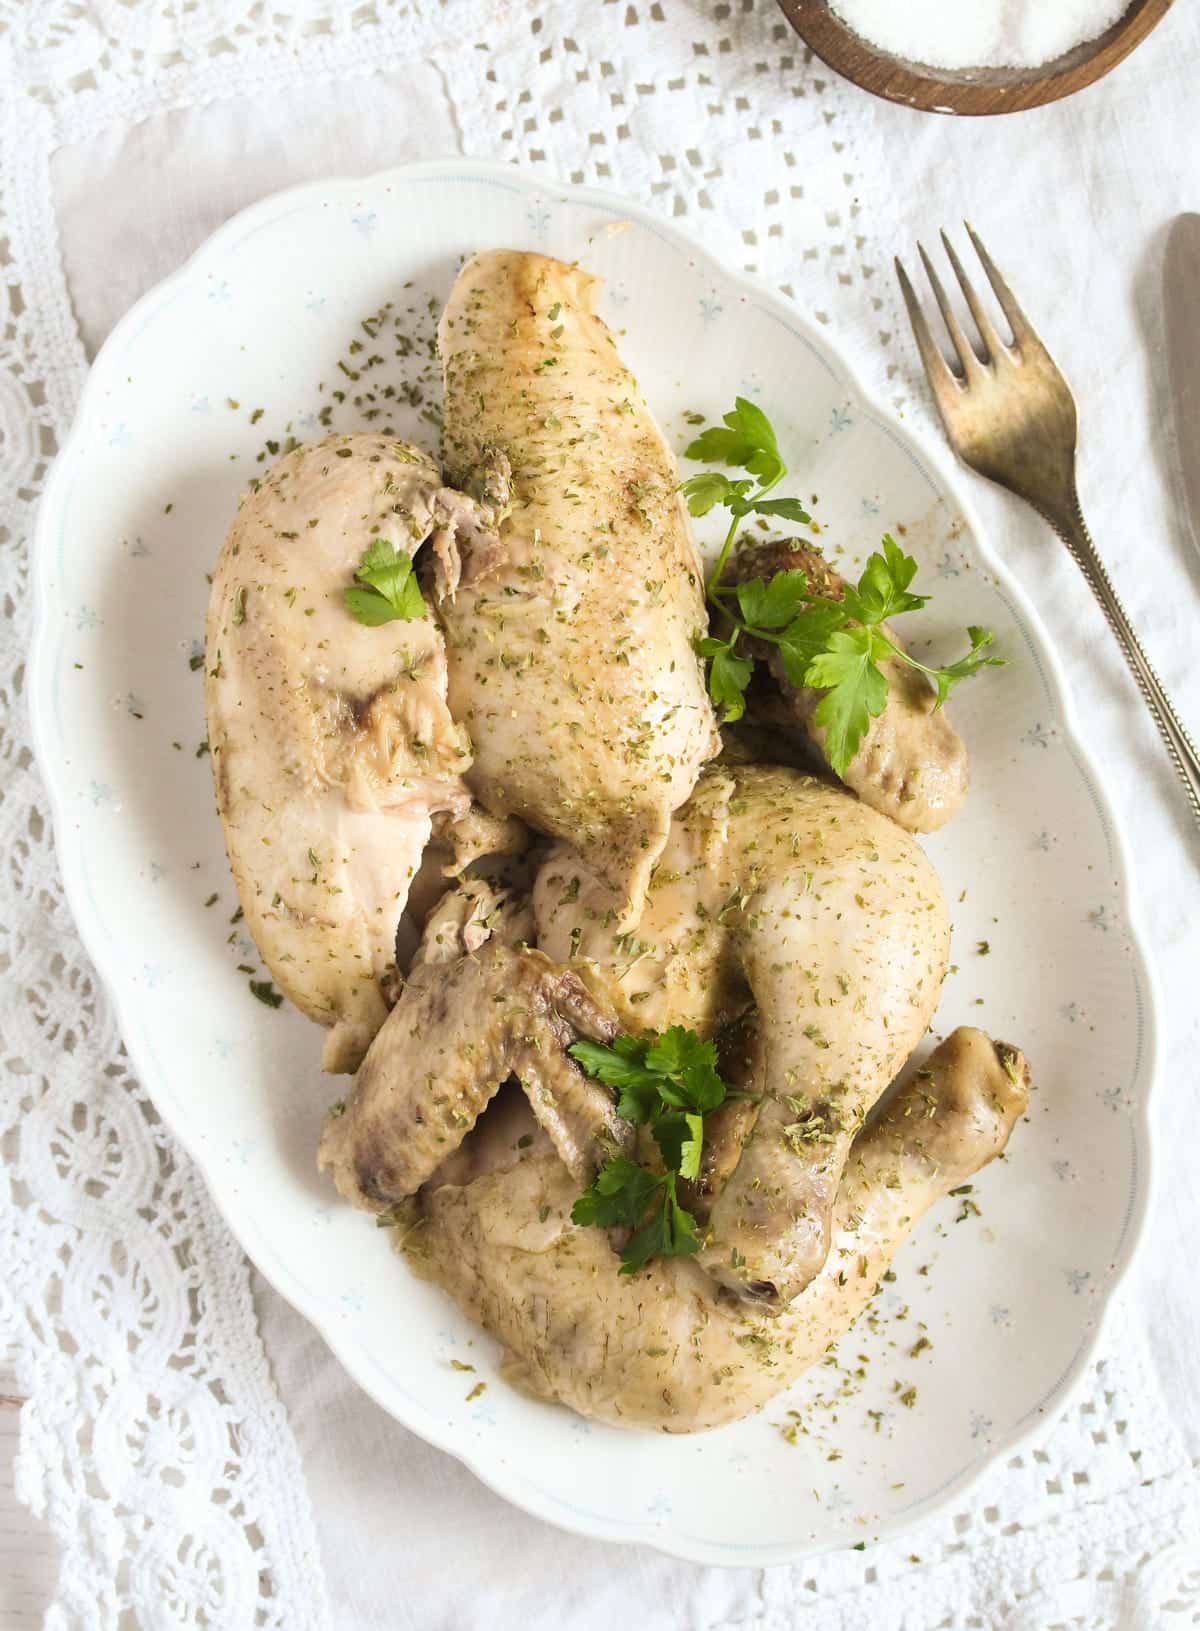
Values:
[(460, 1029)]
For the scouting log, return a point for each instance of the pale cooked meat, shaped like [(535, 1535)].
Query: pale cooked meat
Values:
[(666, 1349), (569, 647), (726, 1129), (332, 745), (478, 834), (477, 846), (488, 905), (912, 764), (506, 1135), (781, 889), (560, 764), (678, 965), (458, 1031)]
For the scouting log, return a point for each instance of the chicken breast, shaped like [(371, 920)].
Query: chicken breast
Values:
[(332, 744), (912, 764), (666, 1349), (570, 648), (780, 893)]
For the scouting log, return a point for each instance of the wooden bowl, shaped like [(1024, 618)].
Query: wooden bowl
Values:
[(969, 90)]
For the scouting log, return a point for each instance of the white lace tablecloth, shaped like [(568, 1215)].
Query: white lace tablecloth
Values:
[(196, 1454)]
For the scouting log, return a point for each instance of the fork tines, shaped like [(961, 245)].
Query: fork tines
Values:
[(970, 363)]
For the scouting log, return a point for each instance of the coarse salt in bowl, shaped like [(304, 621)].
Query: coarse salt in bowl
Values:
[(962, 34)]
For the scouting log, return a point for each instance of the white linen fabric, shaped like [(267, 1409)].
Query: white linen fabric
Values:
[(202, 1466)]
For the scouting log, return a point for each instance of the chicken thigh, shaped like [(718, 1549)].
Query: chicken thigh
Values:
[(570, 646), (666, 1349), (780, 894), (332, 745)]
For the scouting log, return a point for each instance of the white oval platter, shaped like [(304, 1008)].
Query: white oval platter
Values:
[(269, 315)]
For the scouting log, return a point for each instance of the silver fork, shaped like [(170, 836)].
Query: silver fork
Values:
[(1011, 417)]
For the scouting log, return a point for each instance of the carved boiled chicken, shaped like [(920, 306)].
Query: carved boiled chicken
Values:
[(779, 894), (912, 764), (666, 1349), (570, 645), (332, 745)]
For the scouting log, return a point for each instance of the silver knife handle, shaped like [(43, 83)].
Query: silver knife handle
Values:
[(1072, 529)]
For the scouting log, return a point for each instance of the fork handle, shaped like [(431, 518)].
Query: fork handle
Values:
[(1072, 529)]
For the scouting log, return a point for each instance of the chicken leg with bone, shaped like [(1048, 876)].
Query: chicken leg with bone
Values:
[(570, 644), (912, 764), (666, 1348), (780, 894)]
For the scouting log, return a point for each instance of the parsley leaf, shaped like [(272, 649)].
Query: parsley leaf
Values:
[(675, 1069), (710, 488), (857, 690), (627, 1196), (668, 1232), (790, 509), (834, 646), (947, 678), (622, 1065), (391, 591), (385, 568), (704, 491), (728, 677), (719, 445), (691, 1067), (882, 590), (619, 1196), (746, 441), (684, 1241), (807, 636), (668, 1082), (619, 1064), (680, 1137), (367, 607), (772, 603)]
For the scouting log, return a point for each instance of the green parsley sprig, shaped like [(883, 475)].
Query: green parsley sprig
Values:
[(668, 1083), (629, 1196), (745, 441), (832, 645), (391, 589)]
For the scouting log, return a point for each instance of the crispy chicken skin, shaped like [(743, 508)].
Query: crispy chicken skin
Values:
[(569, 647), (780, 892), (667, 1349), (912, 764), (332, 745)]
